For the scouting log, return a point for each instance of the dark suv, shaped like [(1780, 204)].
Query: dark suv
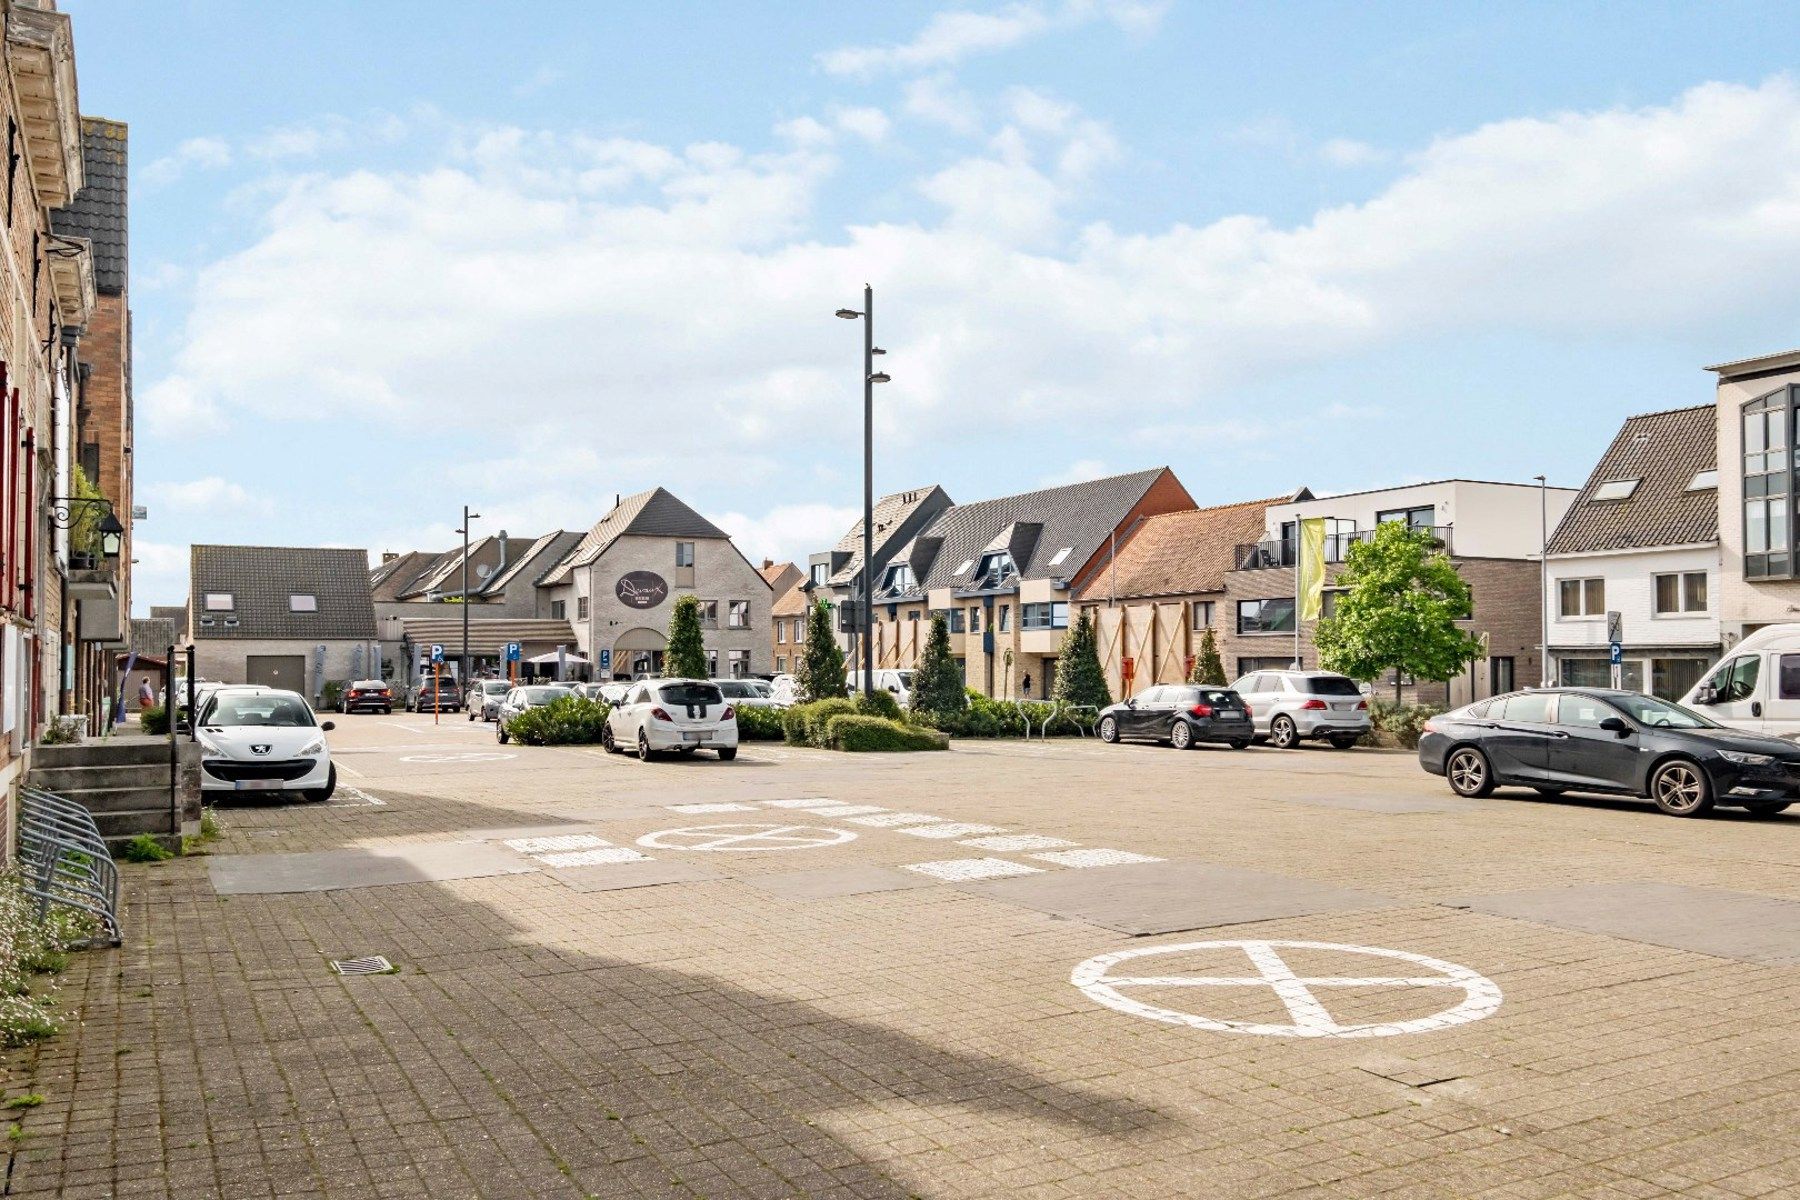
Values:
[(441, 693), (1181, 714)]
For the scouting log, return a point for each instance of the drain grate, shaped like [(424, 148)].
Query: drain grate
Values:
[(373, 964)]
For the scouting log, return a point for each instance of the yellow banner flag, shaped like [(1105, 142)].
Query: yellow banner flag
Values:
[(1310, 587)]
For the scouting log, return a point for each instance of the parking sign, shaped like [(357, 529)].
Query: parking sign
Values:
[(606, 660), (512, 652), (437, 652)]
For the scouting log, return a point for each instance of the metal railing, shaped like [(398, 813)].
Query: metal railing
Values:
[(1281, 552), (64, 860)]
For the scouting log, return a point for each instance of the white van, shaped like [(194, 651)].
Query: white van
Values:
[(1756, 685), (899, 684)]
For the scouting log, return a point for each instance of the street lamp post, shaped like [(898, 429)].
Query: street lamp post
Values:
[(1543, 579), (871, 377), (463, 659)]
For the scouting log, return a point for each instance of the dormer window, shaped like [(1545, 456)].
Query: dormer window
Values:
[(899, 578), (996, 565), (1616, 489)]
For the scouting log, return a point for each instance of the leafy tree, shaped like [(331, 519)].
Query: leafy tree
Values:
[(1208, 667), (1079, 676), (937, 690), (821, 674), (686, 656), (1399, 611)]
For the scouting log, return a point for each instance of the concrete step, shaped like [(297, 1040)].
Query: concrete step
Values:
[(120, 827), (111, 753), (115, 800), (131, 775)]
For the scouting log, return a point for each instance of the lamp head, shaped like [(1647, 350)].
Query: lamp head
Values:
[(112, 535), (879, 377), (849, 314)]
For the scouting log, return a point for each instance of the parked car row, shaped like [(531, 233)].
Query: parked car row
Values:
[(1282, 708)]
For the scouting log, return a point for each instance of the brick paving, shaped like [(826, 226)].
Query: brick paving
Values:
[(715, 1038)]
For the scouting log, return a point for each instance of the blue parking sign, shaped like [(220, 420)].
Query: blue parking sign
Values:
[(437, 652), (1618, 654), (512, 652), (606, 660)]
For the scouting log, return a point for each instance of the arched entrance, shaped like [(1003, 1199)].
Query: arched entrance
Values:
[(638, 652)]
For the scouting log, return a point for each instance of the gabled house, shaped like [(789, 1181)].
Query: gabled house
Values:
[(292, 617), (835, 575), (1642, 540)]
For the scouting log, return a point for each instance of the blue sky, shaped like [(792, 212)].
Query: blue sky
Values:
[(393, 258)]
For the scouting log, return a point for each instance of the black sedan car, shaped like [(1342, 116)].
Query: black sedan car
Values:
[(1594, 740), (1181, 714)]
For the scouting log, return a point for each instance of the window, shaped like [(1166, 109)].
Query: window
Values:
[(1250, 665), (1671, 678), (737, 663), (1768, 536), (995, 566), (912, 614), (953, 618), (709, 614), (1581, 597), (1736, 680), (1056, 560), (559, 609), (780, 664), (1266, 616), (964, 569), (1054, 615), (1528, 708), (303, 602), (974, 618), (1582, 712), (1680, 593), (818, 574), (1500, 674), (899, 578), (1421, 517), (219, 602), (1328, 601), (781, 633), (738, 615), (1203, 614), (581, 608), (1615, 489), (1787, 681), (1005, 625), (1704, 480), (684, 554)]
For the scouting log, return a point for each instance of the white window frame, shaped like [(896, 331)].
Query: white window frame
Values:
[(220, 602), (303, 602), (1684, 594), (1583, 613)]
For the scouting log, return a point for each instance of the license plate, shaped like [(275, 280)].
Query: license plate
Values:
[(696, 737), (260, 785), (1230, 712), (1345, 707)]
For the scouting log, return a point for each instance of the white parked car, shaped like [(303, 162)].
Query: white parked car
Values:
[(484, 697), (521, 698), (749, 693), (784, 690), (679, 715), (263, 740), (898, 684)]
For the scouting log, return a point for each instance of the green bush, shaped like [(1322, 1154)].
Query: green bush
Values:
[(879, 703), (145, 849), (1403, 722), (567, 721), (154, 720), (758, 724), (332, 692), (804, 724), (854, 732), (61, 732)]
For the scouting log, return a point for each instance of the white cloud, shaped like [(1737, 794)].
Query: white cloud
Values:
[(936, 99), (869, 124), (159, 574), (805, 132), (542, 79), (200, 153), (950, 37), (1348, 152), (211, 494), (693, 291), (787, 532)]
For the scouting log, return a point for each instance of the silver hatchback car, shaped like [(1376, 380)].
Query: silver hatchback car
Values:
[(1289, 707)]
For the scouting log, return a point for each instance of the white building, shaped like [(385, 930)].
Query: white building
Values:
[(1642, 540)]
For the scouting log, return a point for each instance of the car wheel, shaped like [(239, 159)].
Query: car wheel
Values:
[(606, 740), (1681, 789), (320, 795), (727, 753), (500, 731), (1109, 729), (1469, 773), (1181, 735), (1282, 734), (643, 747), (471, 716), (1766, 808), (1343, 743), (1239, 743)]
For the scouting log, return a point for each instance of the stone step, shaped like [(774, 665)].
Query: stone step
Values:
[(120, 827), (129, 775), (111, 753), (117, 800)]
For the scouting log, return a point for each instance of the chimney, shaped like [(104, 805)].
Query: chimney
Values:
[(388, 556), (767, 563)]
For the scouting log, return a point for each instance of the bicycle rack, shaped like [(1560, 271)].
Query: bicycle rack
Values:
[(64, 860)]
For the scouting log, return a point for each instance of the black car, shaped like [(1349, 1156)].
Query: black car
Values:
[(1181, 714), (366, 695), (1594, 740), (441, 694)]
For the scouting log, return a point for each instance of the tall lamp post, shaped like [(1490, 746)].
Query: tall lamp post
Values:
[(463, 659), (1543, 579), (871, 377)]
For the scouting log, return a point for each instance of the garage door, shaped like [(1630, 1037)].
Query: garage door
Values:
[(285, 671)]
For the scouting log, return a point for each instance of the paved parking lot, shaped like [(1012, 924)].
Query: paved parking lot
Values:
[(1013, 969)]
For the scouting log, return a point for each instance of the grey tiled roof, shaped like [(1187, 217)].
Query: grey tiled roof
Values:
[(100, 210), (261, 578), (539, 559), (655, 513), (1664, 450), (153, 635), (394, 579), (893, 525)]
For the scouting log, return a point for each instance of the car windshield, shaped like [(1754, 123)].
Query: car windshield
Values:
[(1648, 710), (494, 687), (686, 694), (543, 695), (737, 689), (1218, 697), (1331, 685), (906, 678), (259, 708)]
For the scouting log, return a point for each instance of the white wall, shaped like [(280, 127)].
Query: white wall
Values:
[(1630, 591), (1490, 520)]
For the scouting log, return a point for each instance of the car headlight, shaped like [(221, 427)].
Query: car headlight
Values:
[(1747, 760), (317, 746), (210, 746)]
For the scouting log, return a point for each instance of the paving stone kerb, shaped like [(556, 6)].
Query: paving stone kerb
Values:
[(765, 1025)]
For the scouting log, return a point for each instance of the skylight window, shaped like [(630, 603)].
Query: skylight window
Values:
[(964, 569), (1056, 560), (219, 602), (1704, 480), (1616, 489), (303, 603)]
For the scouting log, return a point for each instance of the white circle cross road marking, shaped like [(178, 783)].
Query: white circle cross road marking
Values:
[(1310, 1015), (456, 757), (743, 838)]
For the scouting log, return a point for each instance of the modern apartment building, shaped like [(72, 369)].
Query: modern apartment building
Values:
[(1755, 409)]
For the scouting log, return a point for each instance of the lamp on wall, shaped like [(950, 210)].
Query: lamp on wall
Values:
[(112, 535)]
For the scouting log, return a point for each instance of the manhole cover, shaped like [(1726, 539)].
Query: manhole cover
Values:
[(373, 964)]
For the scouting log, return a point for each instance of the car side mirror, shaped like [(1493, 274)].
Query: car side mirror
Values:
[(1131, 702), (1707, 695), (1616, 725), (328, 726)]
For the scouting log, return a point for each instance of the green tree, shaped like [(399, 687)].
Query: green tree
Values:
[(1399, 611), (1079, 676), (938, 689), (821, 674), (1208, 668), (686, 656)]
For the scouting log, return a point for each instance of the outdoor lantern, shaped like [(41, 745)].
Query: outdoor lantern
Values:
[(112, 535)]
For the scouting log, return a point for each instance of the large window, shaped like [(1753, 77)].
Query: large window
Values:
[(737, 662), (1266, 616), (1421, 517), (1680, 593), (709, 614), (1053, 615), (1767, 468), (738, 616), (1249, 665), (995, 566), (1203, 614), (1581, 597), (898, 578), (559, 609), (953, 618)]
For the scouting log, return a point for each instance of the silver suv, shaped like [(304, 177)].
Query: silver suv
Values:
[(1288, 707)]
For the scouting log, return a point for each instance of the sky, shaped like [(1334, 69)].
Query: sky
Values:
[(390, 259)]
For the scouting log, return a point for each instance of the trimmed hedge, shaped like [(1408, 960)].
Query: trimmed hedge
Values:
[(568, 721), (1403, 722), (986, 718), (758, 724), (879, 703), (856, 733), (804, 724)]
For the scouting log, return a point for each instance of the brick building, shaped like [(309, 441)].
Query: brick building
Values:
[(782, 578)]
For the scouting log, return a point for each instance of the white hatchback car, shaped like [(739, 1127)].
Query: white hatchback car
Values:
[(680, 715), (263, 740)]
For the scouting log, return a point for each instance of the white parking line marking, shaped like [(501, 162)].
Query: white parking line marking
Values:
[(710, 808), (741, 838), (359, 799), (816, 802), (845, 810), (1094, 857), (1017, 841), (951, 829), (961, 870), (893, 820), (593, 858), (560, 841)]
